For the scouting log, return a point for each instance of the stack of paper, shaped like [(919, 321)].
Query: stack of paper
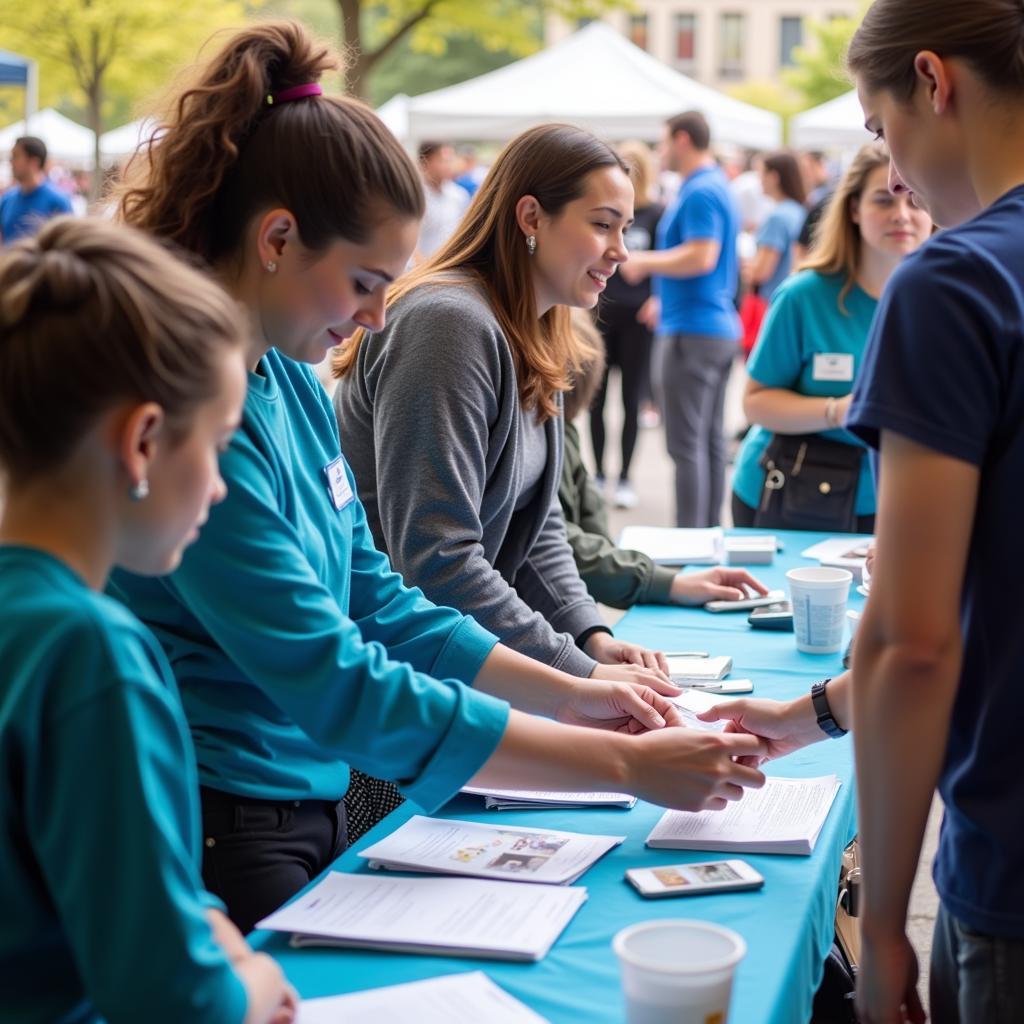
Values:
[(439, 916), (450, 999), (784, 816), (671, 546), (750, 550), (529, 799), (841, 553), (437, 845), (682, 669)]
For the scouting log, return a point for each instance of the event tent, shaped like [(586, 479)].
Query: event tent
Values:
[(120, 143), (837, 124), (595, 78), (68, 141)]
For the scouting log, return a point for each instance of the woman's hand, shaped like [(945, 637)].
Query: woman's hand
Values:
[(619, 706), (719, 584), (604, 648), (784, 726)]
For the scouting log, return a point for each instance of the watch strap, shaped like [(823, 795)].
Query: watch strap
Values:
[(819, 701)]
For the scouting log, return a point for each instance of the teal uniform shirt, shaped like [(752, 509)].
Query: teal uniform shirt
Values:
[(102, 912), (803, 325), (297, 650)]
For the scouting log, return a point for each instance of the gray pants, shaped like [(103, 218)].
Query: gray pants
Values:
[(975, 979), (695, 370)]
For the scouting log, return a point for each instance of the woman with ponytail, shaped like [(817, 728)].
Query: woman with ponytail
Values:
[(298, 651), (121, 376)]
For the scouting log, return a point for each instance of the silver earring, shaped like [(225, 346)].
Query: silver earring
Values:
[(271, 266), (140, 490), (531, 244)]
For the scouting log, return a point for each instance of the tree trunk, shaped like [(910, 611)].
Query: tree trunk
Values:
[(356, 65), (95, 98)]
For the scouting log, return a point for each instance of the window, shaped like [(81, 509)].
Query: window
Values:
[(686, 40), (733, 44), (791, 35), (638, 30)]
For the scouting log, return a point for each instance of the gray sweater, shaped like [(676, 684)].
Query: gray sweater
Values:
[(431, 424)]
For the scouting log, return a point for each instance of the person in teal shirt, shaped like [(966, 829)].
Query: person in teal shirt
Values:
[(776, 237), (298, 651), (802, 370), (107, 459)]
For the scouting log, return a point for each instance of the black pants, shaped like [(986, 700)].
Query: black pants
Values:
[(259, 853), (628, 346), (743, 515)]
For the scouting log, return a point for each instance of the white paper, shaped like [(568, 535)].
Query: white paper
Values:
[(452, 999), (682, 668), (542, 798), (462, 916), (841, 553), (675, 546), (695, 702), (489, 851), (784, 816)]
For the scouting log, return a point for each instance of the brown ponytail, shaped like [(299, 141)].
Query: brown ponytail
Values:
[(223, 154), (987, 34), (92, 314)]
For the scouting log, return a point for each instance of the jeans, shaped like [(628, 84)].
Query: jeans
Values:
[(695, 371), (975, 978)]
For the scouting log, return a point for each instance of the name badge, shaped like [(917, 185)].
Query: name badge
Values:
[(833, 366), (337, 483)]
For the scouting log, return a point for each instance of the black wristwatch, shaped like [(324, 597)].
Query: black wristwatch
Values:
[(826, 722)]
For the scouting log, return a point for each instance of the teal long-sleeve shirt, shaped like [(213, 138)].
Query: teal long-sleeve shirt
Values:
[(102, 910), (297, 650)]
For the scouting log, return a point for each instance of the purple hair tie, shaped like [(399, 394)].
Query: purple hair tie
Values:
[(296, 92)]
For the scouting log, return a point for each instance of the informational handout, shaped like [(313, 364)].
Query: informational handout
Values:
[(784, 816), (692, 703), (675, 546), (444, 916), (841, 553), (440, 845), (451, 999), (681, 668), (529, 799)]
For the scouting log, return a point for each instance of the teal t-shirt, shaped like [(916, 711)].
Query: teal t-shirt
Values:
[(779, 232), (103, 911), (805, 321), (297, 650)]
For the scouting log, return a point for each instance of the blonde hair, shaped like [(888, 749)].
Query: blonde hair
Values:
[(549, 162), (837, 245), (641, 169)]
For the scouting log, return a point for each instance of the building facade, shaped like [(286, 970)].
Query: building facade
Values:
[(719, 42)]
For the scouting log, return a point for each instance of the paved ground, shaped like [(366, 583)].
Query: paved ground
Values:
[(652, 477)]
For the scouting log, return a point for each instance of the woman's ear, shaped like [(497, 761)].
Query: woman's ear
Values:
[(935, 75), (139, 434), (276, 231), (528, 215)]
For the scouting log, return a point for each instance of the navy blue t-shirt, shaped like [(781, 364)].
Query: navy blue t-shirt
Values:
[(945, 368)]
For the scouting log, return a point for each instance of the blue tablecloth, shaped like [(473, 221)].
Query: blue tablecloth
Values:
[(788, 925)]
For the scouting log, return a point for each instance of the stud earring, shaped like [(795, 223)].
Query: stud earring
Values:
[(140, 490), (271, 266), (531, 244)]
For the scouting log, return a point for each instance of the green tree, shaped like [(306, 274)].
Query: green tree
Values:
[(372, 29), (773, 96), (106, 55), (820, 72)]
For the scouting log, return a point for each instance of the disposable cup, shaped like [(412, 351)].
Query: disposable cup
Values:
[(819, 595), (678, 972)]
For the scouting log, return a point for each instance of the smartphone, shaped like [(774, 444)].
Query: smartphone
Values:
[(772, 597), (773, 616), (694, 879)]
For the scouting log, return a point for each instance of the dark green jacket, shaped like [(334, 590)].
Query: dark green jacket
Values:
[(613, 575)]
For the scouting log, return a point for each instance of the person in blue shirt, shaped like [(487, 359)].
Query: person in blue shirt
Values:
[(121, 374), (773, 261), (695, 279), (807, 357), (299, 652), (33, 200)]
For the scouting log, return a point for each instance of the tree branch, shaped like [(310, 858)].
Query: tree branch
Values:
[(399, 34)]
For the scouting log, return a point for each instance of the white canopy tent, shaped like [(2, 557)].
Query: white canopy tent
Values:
[(837, 124), (67, 141), (120, 143), (596, 79)]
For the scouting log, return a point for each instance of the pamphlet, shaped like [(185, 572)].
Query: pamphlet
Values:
[(681, 668), (529, 799), (675, 546), (443, 846), (784, 816), (841, 553), (451, 999), (439, 916)]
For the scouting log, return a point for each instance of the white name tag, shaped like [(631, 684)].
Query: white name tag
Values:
[(337, 483), (833, 366)]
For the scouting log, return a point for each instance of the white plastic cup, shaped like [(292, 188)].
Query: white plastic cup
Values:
[(819, 595), (678, 972)]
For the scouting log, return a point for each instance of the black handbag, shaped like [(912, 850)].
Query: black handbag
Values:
[(810, 484)]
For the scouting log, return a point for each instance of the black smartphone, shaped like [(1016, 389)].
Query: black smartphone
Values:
[(773, 616)]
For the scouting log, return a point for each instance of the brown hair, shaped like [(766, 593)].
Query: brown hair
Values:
[(836, 245), (791, 181), (222, 153), (92, 314), (641, 169), (695, 124), (549, 162), (986, 34), (587, 378)]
